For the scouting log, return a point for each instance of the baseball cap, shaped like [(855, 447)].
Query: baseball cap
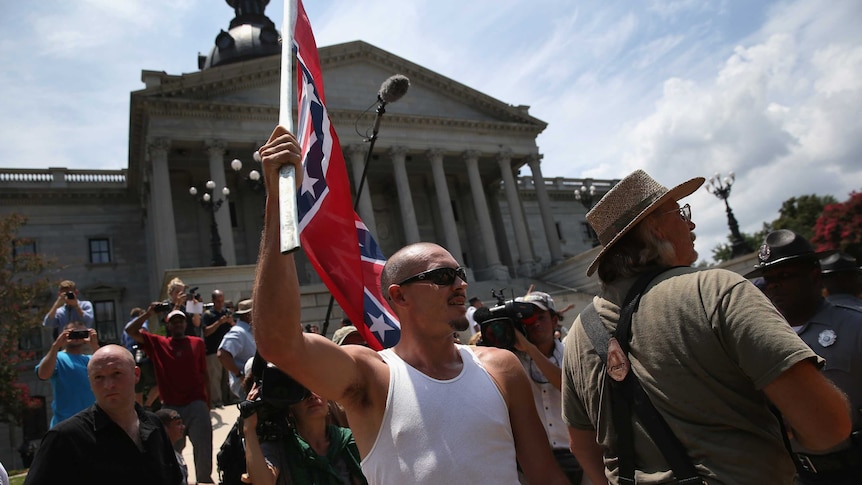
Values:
[(539, 299), (342, 333), (174, 314)]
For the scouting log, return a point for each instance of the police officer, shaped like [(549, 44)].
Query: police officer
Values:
[(791, 270)]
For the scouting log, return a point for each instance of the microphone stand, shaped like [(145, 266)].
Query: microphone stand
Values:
[(381, 110)]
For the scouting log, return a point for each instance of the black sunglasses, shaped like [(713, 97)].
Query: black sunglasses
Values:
[(438, 276)]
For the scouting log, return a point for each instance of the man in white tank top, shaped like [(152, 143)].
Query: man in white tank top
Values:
[(426, 410)]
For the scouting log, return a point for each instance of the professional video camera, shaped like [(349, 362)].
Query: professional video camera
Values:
[(499, 324), (278, 391)]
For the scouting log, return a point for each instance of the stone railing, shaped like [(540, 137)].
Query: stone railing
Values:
[(568, 184), (60, 177)]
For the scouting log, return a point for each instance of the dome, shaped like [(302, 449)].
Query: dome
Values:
[(252, 35)]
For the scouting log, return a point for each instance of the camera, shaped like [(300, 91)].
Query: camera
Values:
[(79, 334), (70, 295), (499, 324), (163, 306), (278, 391), (193, 294)]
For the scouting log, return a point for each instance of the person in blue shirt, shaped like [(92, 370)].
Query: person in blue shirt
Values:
[(68, 308), (65, 365), (237, 346)]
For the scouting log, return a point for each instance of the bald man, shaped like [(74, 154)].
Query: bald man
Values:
[(113, 441), (427, 410)]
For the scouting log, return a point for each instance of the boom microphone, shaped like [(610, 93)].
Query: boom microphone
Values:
[(393, 89)]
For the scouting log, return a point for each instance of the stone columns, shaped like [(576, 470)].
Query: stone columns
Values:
[(444, 202), (216, 149), (525, 256), (486, 229), (534, 162), (405, 197), (357, 163), (162, 215)]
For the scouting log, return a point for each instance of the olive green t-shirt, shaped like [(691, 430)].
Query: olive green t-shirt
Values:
[(704, 344)]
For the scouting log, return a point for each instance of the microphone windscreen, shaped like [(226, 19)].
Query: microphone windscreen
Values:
[(393, 88)]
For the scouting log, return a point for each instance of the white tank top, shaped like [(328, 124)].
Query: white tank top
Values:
[(442, 432)]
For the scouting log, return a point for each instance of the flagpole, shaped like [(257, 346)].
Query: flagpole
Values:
[(287, 214)]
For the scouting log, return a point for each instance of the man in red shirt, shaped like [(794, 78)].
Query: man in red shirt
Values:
[(181, 374)]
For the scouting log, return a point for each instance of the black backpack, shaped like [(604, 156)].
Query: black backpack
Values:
[(231, 457)]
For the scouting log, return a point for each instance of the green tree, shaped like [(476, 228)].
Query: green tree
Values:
[(23, 289), (724, 251), (799, 214), (840, 227)]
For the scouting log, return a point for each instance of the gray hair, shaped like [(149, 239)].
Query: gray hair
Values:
[(639, 251)]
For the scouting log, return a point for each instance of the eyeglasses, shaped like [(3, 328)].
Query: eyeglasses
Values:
[(438, 276), (684, 212)]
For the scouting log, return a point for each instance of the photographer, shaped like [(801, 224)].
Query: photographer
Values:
[(541, 355), (308, 450), (216, 322), (67, 370), (68, 308), (178, 295)]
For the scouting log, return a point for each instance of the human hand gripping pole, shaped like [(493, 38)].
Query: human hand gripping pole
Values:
[(287, 214)]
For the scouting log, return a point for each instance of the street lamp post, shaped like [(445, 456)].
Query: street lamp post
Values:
[(212, 206), (253, 179), (721, 188), (586, 196)]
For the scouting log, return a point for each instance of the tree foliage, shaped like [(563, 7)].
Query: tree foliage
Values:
[(799, 214), (840, 227), (724, 251), (23, 289)]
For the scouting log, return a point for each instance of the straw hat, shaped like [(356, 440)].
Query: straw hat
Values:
[(627, 203)]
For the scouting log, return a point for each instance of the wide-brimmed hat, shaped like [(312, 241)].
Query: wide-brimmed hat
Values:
[(784, 246), (243, 307), (627, 203), (839, 263)]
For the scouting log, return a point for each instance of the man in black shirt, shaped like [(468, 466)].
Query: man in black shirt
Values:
[(216, 321), (112, 441)]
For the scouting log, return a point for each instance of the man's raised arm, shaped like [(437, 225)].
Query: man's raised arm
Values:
[(311, 359), (134, 329)]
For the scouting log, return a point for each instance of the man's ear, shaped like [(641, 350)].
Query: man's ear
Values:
[(137, 374), (396, 295)]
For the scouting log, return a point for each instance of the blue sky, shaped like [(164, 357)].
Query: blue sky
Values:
[(768, 89)]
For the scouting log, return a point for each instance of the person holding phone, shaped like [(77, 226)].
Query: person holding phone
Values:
[(68, 308), (65, 365)]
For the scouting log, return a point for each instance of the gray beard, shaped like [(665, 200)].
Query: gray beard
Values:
[(459, 324)]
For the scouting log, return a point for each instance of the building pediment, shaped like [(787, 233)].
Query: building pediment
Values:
[(352, 75)]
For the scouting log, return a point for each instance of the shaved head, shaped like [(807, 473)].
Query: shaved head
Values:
[(406, 262), (111, 353)]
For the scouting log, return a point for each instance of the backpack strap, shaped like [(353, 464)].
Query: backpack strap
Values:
[(628, 395)]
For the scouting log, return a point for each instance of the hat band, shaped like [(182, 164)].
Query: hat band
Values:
[(627, 217)]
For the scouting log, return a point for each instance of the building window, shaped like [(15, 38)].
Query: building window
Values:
[(30, 339), (559, 231), (100, 251), (105, 321), (23, 247), (232, 208)]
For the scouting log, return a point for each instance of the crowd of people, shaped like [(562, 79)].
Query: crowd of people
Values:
[(671, 375)]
